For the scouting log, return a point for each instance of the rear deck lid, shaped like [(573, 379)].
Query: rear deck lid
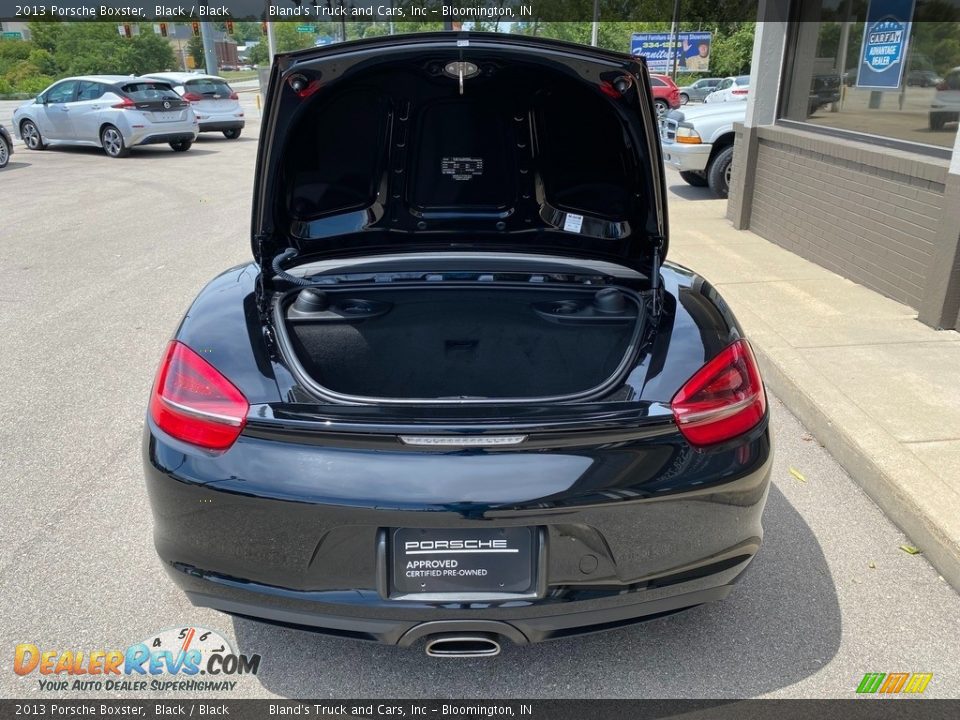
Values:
[(459, 141)]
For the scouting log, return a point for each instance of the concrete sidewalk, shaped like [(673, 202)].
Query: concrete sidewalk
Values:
[(878, 389)]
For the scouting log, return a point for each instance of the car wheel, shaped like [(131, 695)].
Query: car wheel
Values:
[(31, 135), (694, 177), (231, 134), (181, 146), (661, 107), (719, 172), (4, 153), (684, 98), (112, 142)]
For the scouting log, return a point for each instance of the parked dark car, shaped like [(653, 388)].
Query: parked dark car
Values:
[(457, 396), (945, 106), (6, 147), (923, 78), (699, 90), (824, 90)]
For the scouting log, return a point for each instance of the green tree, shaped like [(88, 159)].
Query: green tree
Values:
[(146, 53), (259, 54), (732, 52), (195, 50)]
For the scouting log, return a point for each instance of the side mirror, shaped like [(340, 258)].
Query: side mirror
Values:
[(41, 100)]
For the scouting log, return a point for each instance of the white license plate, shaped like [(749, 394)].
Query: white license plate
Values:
[(166, 116)]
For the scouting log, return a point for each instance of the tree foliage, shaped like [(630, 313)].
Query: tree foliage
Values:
[(58, 50)]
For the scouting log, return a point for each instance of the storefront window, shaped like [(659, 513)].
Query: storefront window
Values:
[(894, 80)]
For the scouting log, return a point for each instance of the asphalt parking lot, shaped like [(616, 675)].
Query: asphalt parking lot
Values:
[(99, 259)]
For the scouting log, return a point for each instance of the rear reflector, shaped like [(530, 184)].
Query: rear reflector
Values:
[(193, 402), (723, 399)]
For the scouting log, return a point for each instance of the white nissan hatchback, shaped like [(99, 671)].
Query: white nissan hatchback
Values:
[(115, 112)]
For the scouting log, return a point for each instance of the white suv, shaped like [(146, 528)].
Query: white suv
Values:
[(215, 103), (946, 103)]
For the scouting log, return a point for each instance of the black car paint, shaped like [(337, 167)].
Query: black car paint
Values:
[(256, 531), (270, 234), (291, 524)]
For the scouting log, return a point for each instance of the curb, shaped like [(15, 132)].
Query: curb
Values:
[(895, 479)]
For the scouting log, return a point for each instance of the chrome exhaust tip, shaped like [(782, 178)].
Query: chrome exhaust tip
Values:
[(462, 646)]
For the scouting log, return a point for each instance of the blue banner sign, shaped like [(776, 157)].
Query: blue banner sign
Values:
[(692, 51), (885, 36)]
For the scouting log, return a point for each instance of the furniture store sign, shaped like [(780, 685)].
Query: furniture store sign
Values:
[(884, 51), (690, 52)]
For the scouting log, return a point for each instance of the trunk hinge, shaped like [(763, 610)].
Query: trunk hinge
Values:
[(261, 241), (658, 244), (263, 296)]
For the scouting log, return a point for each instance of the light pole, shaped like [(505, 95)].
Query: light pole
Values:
[(209, 49), (595, 29), (674, 36)]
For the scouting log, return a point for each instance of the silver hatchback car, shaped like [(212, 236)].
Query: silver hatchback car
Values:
[(114, 112), (216, 104)]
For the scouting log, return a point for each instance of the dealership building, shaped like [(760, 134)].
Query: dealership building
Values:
[(849, 155)]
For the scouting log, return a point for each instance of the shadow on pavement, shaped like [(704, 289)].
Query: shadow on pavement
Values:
[(219, 138), (780, 625), (689, 192), (144, 151), (12, 165)]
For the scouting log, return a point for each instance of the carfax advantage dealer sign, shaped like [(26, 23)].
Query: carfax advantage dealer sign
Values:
[(884, 51)]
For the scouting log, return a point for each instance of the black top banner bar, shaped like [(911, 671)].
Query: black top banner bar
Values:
[(860, 709), (398, 11)]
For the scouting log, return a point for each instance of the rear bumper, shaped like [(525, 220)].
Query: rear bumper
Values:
[(221, 125), (167, 137), (686, 158), (299, 534), (945, 114), (565, 621)]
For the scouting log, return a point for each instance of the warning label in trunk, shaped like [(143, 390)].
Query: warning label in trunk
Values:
[(461, 168)]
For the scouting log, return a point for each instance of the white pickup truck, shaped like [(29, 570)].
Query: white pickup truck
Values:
[(698, 141)]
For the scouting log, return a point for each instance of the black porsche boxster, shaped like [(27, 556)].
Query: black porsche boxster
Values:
[(457, 396)]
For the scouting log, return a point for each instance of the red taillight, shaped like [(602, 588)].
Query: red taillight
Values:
[(309, 89), (192, 97), (193, 402), (739, 92), (234, 96), (609, 90), (125, 104), (723, 399)]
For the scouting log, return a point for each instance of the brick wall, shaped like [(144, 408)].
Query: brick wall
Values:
[(868, 213)]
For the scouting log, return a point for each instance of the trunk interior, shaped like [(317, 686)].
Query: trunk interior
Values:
[(457, 342)]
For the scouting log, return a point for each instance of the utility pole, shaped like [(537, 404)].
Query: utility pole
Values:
[(447, 24), (595, 30), (271, 42), (675, 36), (209, 49)]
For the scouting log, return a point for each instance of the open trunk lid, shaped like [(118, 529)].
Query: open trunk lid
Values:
[(459, 142)]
